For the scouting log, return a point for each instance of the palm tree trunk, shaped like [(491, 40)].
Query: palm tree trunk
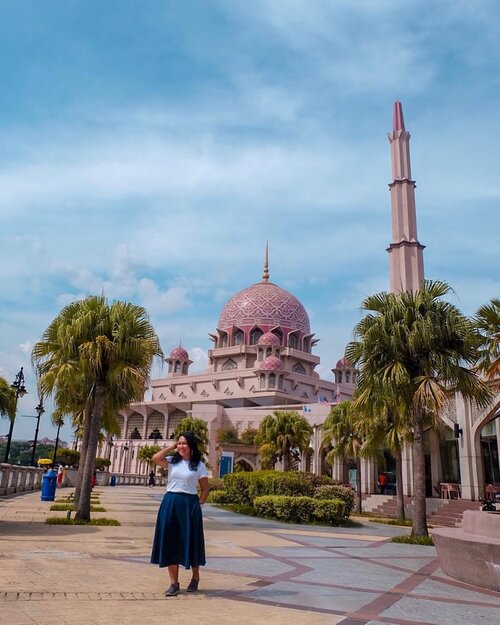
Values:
[(419, 527), (83, 509), (358, 487), (83, 451), (400, 499)]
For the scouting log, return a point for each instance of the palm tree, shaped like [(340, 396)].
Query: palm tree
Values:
[(284, 433), (7, 400), (488, 323), (423, 360), (100, 351), (146, 454), (353, 435)]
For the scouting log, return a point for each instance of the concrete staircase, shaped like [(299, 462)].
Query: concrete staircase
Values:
[(443, 512)]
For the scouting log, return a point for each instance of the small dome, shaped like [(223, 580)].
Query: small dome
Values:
[(269, 339), (271, 363), (343, 363), (179, 353)]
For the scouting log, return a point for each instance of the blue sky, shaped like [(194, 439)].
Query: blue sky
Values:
[(149, 149)]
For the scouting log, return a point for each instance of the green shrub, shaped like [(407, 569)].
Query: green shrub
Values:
[(333, 491), (216, 483), (300, 509), (245, 487), (329, 511), (218, 496)]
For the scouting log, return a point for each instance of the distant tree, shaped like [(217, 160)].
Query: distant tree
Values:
[(67, 456), (7, 400), (286, 434), (248, 436), (146, 453), (102, 463), (227, 435)]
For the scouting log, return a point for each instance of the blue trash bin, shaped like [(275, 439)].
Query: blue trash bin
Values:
[(49, 484), (112, 481)]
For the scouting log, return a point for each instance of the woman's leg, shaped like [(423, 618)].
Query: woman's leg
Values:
[(173, 571), (196, 572)]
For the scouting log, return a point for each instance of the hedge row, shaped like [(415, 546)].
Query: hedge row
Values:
[(243, 488), (300, 509)]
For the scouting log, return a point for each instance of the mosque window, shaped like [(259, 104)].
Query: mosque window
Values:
[(279, 334), (177, 367), (255, 336), (229, 365), (280, 382), (293, 341), (339, 377), (262, 381), (185, 368), (238, 337), (298, 368), (224, 340), (347, 377), (269, 351), (272, 380)]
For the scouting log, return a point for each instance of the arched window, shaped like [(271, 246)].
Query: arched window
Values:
[(229, 365), (279, 334), (269, 351), (272, 380), (185, 368), (298, 368), (224, 340), (280, 382), (177, 367), (262, 381), (255, 336), (293, 341), (238, 337), (339, 376), (347, 377)]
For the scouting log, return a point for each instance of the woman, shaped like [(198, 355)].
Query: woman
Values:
[(179, 526)]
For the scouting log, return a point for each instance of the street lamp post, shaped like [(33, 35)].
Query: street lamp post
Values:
[(18, 386), (60, 422), (39, 410)]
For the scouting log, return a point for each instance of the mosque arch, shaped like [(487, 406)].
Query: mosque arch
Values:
[(255, 334), (238, 337), (243, 465), (299, 368), (135, 425)]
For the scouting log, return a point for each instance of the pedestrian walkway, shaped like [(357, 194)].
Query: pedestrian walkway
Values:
[(258, 572)]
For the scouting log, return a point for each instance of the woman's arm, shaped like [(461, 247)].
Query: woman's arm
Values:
[(159, 457), (204, 488)]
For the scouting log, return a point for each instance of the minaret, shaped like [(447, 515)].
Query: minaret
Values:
[(406, 260)]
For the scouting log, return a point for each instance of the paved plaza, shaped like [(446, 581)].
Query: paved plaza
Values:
[(258, 572)]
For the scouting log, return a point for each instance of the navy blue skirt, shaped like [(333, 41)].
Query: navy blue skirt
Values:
[(179, 532)]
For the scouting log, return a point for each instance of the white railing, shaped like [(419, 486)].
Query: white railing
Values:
[(16, 479)]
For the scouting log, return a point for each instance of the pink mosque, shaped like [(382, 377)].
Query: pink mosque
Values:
[(262, 360)]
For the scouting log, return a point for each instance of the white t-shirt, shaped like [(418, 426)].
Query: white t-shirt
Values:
[(181, 479)]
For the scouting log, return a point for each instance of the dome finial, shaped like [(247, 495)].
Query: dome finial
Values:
[(265, 275)]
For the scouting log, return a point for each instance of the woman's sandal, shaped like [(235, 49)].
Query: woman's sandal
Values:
[(193, 585), (173, 591)]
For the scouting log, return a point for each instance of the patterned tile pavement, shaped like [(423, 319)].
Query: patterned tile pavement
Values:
[(257, 572)]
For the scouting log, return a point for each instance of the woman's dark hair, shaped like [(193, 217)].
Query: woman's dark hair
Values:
[(192, 442)]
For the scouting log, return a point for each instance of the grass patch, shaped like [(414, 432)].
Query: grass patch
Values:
[(402, 522), (413, 540), (55, 520), (62, 507)]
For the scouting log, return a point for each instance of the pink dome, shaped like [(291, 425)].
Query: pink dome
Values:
[(269, 339), (271, 363), (264, 303), (343, 363), (179, 353)]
